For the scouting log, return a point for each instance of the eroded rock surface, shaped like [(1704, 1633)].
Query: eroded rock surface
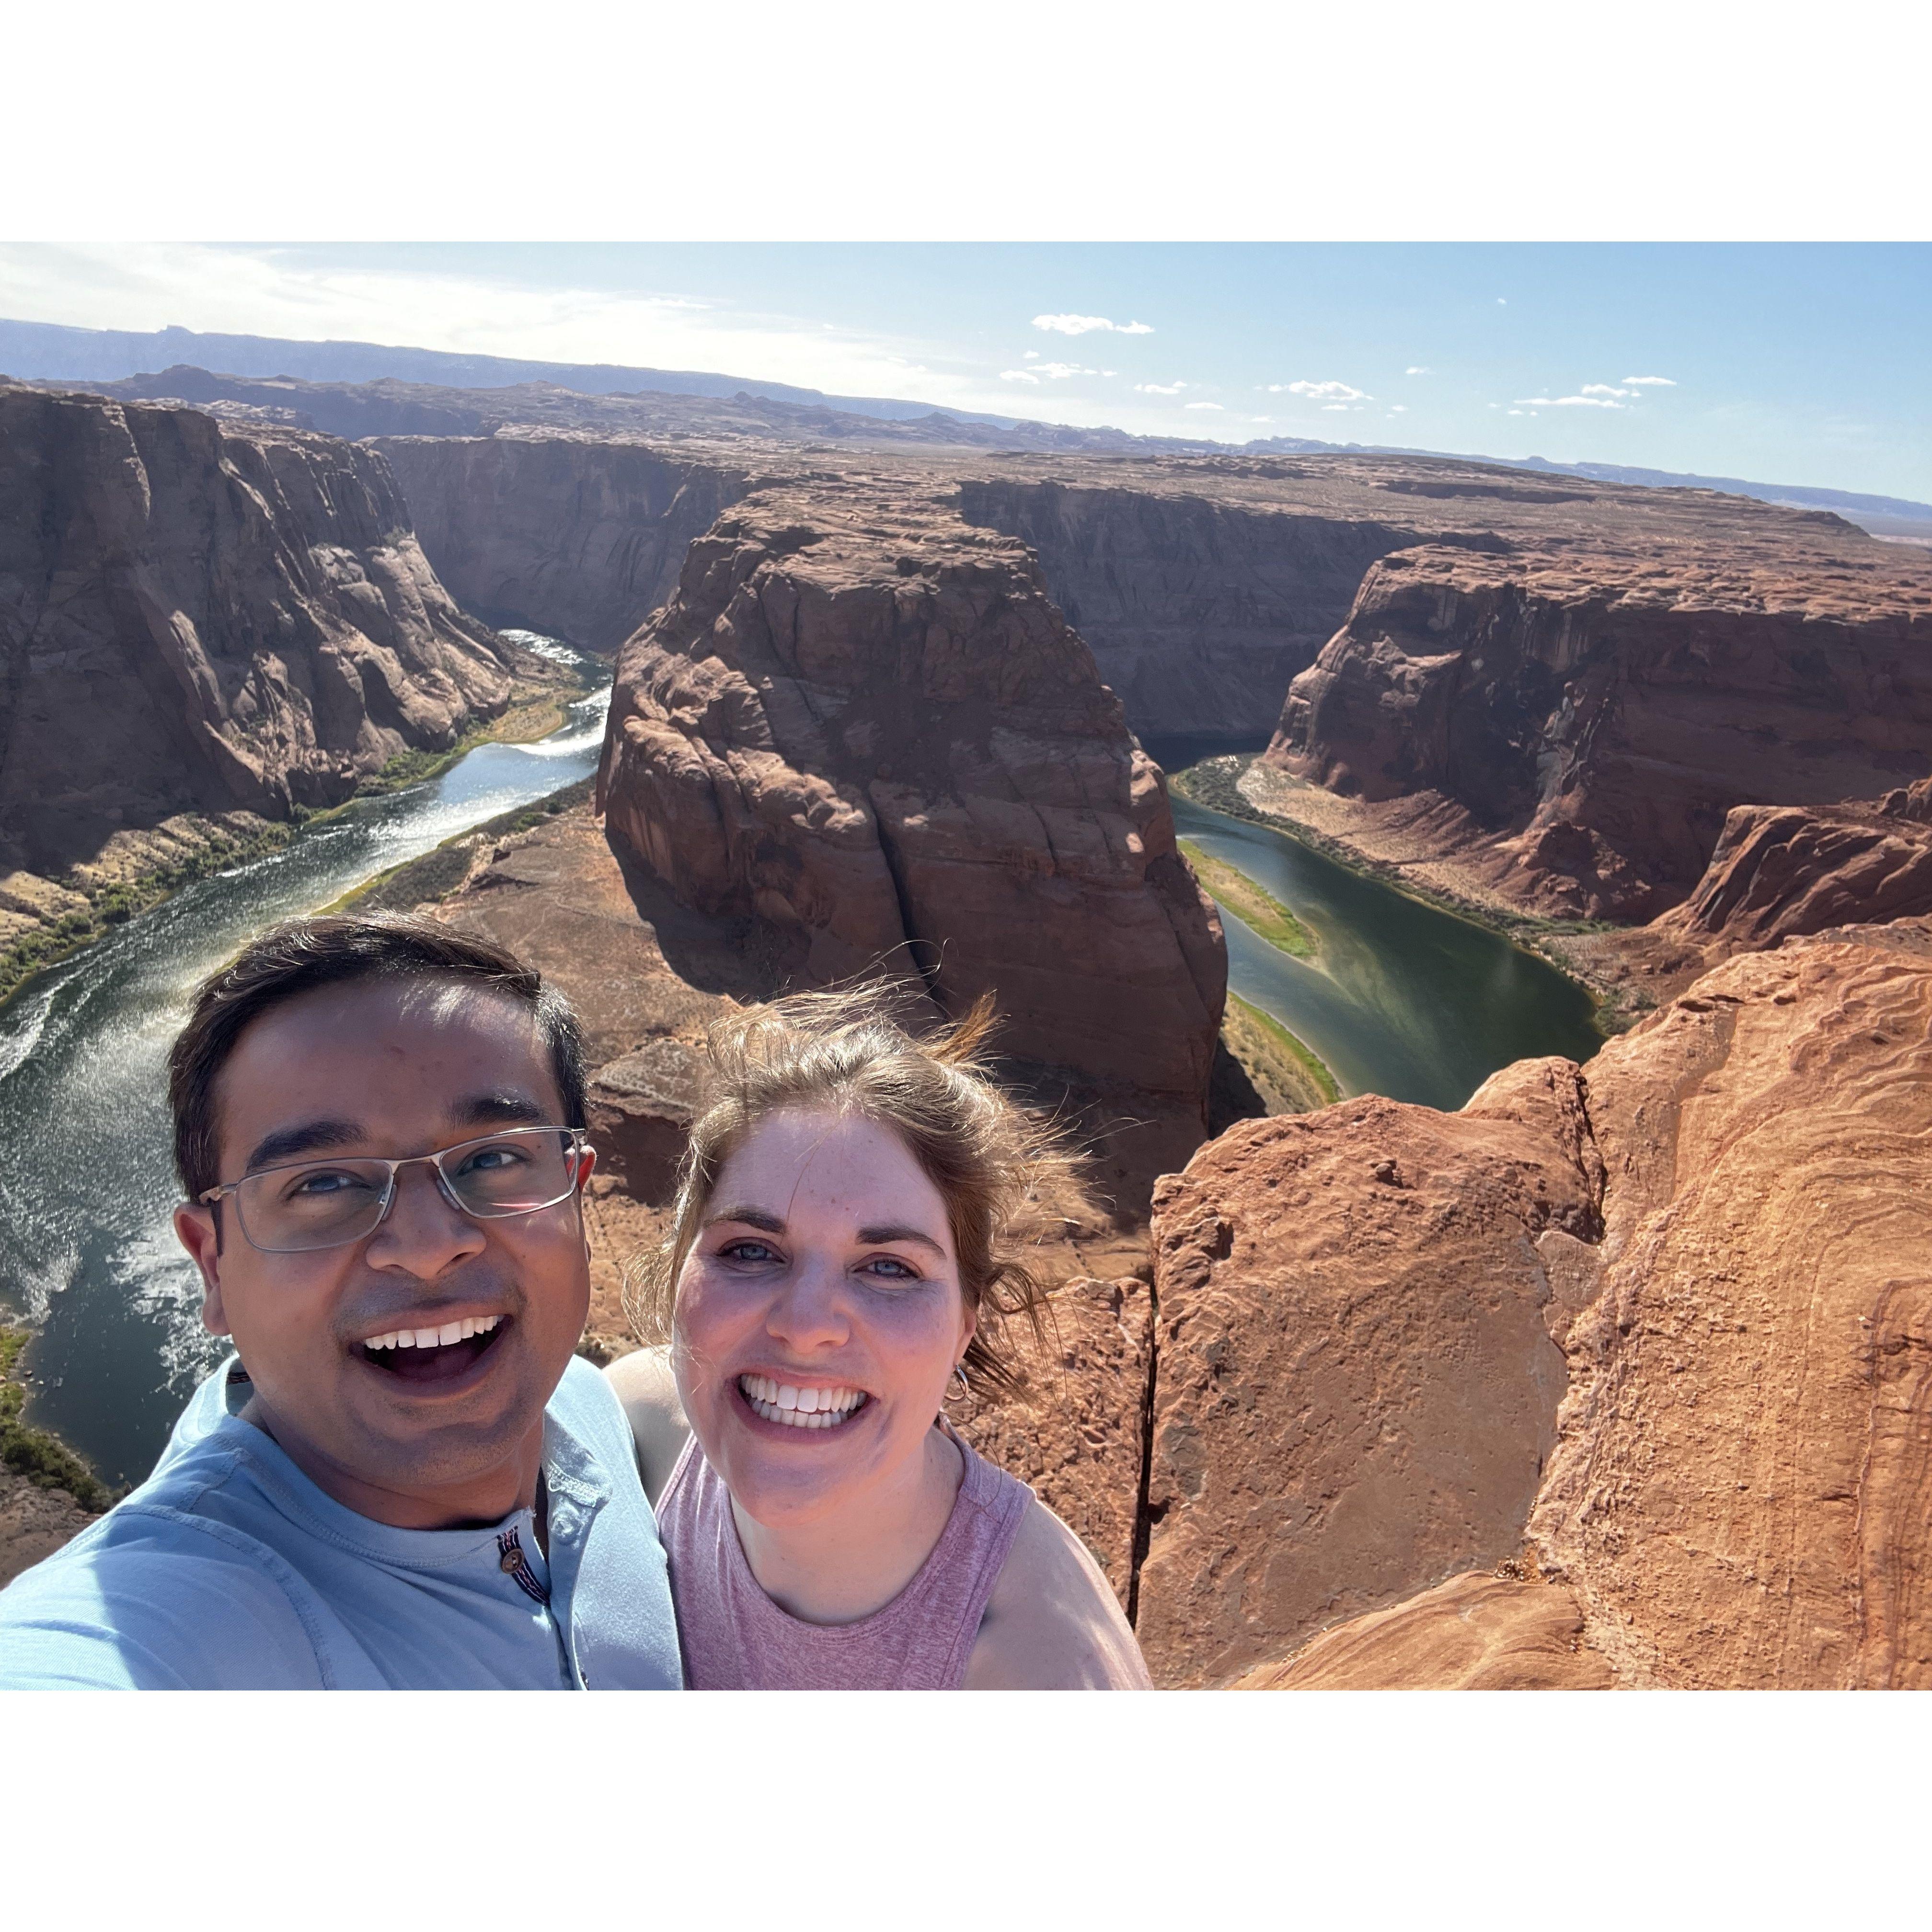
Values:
[(1478, 1632), (865, 726), (1356, 1386), (1586, 717), (1721, 1230), (197, 617)]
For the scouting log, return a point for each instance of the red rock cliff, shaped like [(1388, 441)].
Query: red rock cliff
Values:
[(1596, 712), (198, 617), (866, 726)]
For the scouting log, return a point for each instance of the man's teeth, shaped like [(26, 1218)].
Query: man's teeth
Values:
[(435, 1338), (798, 1407)]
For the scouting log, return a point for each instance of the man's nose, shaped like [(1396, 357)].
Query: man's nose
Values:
[(809, 1310), (423, 1234)]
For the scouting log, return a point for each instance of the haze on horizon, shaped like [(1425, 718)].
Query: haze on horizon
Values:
[(1800, 364)]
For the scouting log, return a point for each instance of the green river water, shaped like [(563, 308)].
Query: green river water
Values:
[(1400, 999)]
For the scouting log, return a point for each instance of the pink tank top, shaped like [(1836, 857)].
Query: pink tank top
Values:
[(735, 1638)]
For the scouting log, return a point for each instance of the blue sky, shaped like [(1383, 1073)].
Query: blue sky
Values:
[(1792, 363)]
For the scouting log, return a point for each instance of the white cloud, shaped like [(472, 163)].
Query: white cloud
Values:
[(1569, 402), (1513, 412), (1031, 356), (1160, 388), (1650, 382), (1398, 409), (1051, 372), (1321, 392), (403, 295), (1203, 406), (1605, 389), (1083, 324), (1418, 370), (1502, 301), (1337, 408)]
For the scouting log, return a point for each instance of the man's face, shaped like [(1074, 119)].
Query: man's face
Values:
[(417, 1436)]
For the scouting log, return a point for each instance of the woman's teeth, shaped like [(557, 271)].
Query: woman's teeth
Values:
[(435, 1338), (799, 1408)]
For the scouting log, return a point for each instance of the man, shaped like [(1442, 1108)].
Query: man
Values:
[(402, 1478)]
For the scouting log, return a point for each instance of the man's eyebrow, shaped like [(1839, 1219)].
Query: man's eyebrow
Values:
[(895, 1231), (309, 1137), (506, 1105), (751, 1217)]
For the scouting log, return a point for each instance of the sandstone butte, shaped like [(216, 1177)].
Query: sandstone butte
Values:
[(862, 727), (202, 618)]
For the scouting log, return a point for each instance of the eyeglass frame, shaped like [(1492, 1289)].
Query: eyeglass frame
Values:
[(579, 1144)]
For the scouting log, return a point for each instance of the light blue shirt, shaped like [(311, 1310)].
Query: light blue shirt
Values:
[(228, 1569)]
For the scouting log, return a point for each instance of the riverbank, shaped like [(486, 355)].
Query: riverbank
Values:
[(1410, 861), (45, 922), (1257, 908), (1289, 1076), (36, 1456)]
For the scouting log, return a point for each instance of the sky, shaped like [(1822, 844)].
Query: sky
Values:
[(1784, 362)]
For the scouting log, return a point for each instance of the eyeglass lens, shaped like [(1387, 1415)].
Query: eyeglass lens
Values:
[(327, 1204)]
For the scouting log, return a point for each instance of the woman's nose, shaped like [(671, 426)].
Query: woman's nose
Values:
[(809, 1310)]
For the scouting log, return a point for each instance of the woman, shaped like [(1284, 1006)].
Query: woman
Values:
[(841, 1256)]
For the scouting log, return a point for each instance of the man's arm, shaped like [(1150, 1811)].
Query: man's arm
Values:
[(146, 1614)]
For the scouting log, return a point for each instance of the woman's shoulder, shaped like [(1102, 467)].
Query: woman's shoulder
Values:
[(1052, 1622), (643, 1383)]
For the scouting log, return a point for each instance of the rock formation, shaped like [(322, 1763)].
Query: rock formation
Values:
[(1589, 715), (863, 727), (1722, 1224), (1198, 611), (196, 617), (577, 539)]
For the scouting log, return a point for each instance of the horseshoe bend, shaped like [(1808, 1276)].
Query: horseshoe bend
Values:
[(1614, 1375)]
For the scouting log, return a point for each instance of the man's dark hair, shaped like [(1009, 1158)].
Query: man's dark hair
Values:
[(300, 954)]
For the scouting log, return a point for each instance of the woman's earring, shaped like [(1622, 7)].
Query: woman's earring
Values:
[(959, 1385)]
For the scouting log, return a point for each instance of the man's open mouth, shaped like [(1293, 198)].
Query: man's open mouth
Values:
[(439, 1354), (800, 1407)]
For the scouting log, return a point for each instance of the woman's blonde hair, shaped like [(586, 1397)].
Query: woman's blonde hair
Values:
[(1000, 1170)]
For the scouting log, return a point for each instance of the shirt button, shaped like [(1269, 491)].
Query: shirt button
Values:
[(511, 1561)]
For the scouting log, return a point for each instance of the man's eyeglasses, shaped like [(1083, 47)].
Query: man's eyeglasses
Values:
[(304, 1205)]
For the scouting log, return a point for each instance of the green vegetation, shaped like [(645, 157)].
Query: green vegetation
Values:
[(42, 1458), (115, 904), (439, 872), (1290, 1077), (522, 723), (1251, 904)]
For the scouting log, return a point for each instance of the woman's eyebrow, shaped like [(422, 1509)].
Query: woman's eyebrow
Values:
[(884, 1236), (750, 1217)]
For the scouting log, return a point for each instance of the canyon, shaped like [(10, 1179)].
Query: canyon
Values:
[(1614, 1376)]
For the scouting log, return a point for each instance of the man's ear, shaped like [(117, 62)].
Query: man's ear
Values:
[(195, 1229)]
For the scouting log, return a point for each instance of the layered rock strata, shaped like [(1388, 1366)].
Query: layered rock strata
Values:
[(1198, 612), (1587, 717), (195, 617), (578, 539), (864, 727)]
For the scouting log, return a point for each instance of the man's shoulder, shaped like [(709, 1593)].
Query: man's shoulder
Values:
[(585, 1404), (157, 1596)]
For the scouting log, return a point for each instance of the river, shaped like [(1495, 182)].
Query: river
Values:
[(87, 1253), (1399, 998)]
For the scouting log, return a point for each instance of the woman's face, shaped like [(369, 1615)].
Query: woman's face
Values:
[(819, 1317)]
